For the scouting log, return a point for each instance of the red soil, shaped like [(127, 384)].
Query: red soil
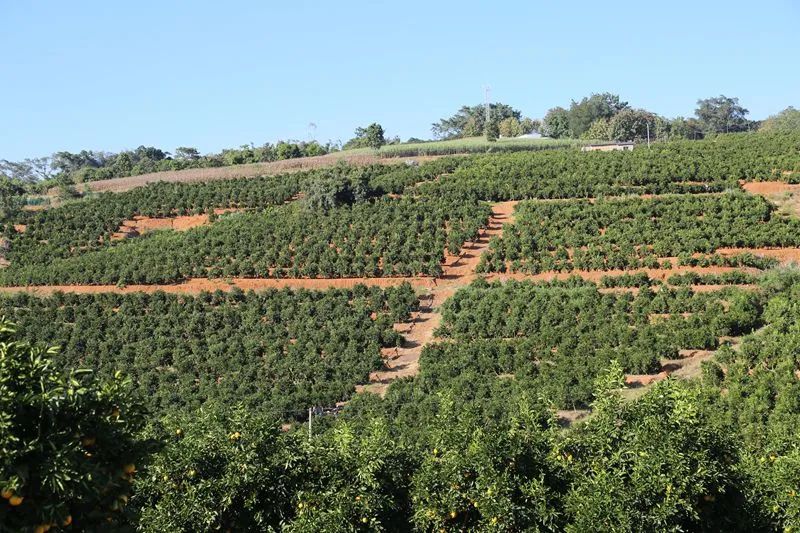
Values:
[(140, 225), (198, 285), (687, 365), (770, 188), (784, 255), (456, 267), (596, 275), (458, 271)]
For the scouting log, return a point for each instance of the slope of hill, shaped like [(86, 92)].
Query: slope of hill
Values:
[(489, 301)]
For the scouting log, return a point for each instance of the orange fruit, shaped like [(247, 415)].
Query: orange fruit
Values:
[(14, 501), (67, 521), (7, 493), (129, 468)]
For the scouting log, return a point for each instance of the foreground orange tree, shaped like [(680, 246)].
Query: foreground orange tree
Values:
[(67, 451)]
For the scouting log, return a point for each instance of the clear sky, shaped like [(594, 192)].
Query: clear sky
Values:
[(106, 76)]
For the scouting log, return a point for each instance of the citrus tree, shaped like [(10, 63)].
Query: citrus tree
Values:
[(67, 451), (218, 469)]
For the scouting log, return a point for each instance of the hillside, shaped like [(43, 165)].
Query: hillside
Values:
[(532, 340)]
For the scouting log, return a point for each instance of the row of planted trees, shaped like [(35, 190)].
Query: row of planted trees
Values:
[(636, 232), (380, 237), (483, 453), (666, 461)]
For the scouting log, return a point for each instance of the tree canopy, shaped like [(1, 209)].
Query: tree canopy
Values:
[(787, 120), (722, 114), (370, 137), (67, 441), (470, 121), (556, 123), (591, 108)]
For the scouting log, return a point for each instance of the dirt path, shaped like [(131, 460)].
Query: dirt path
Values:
[(688, 365), (198, 285), (458, 271), (597, 275)]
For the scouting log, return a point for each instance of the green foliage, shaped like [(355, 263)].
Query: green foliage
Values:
[(657, 464), (357, 238), (217, 469), (636, 232), (599, 130), (470, 121), (73, 168), (67, 445), (383, 237), (492, 131), (370, 137), (335, 187), (476, 479), (597, 106), (556, 123), (555, 339), (355, 478), (78, 227), (632, 125), (279, 351), (722, 114), (511, 127), (11, 199), (528, 125), (475, 145), (672, 167), (735, 277), (787, 120)]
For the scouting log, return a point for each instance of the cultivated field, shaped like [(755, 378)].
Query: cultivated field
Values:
[(695, 222), (432, 330)]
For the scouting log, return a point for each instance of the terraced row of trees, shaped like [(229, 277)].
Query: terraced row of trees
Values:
[(556, 338), (278, 351), (381, 237), (79, 228), (635, 232), (481, 453), (88, 224), (674, 167)]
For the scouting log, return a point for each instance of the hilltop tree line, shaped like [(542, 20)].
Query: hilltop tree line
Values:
[(606, 117), (67, 168), (602, 116)]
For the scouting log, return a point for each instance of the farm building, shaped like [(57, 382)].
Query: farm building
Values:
[(607, 147)]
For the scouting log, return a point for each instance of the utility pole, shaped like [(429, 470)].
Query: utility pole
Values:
[(309, 424), (487, 91), (648, 134)]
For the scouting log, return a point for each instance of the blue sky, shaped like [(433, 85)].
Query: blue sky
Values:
[(106, 76)]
